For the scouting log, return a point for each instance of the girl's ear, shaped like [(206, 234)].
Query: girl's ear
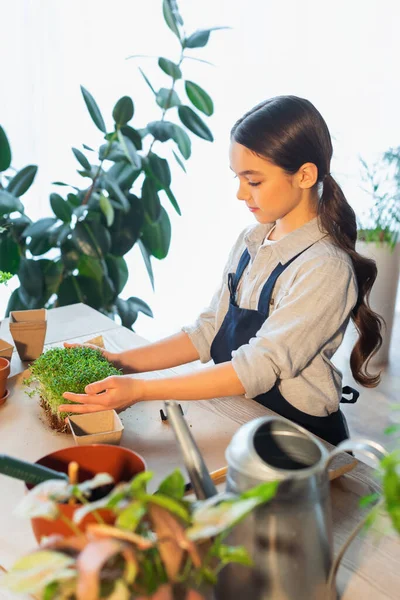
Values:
[(307, 175)]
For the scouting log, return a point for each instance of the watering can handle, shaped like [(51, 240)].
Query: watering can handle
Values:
[(377, 453)]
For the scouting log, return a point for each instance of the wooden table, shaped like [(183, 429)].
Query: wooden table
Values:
[(371, 567)]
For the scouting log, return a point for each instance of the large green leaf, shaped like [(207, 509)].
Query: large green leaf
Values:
[(199, 38), (81, 158), (133, 135), (193, 122), (61, 208), (5, 151), (15, 303), (39, 227), (94, 110), (117, 271), (130, 150), (159, 170), (172, 16), (140, 306), (123, 111), (91, 238), (170, 68), (147, 261), (116, 192), (150, 199), (179, 161), (124, 174), (17, 226), (52, 274), (69, 292), (161, 130), (31, 277), (91, 267), (182, 140), (127, 313), (9, 204), (40, 245), (22, 181), (70, 254), (112, 152), (157, 236), (199, 98), (126, 227), (9, 254), (167, 98)]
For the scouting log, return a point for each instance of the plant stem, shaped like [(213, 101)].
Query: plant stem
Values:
[(78, 494), (90, 191), (71, 525)]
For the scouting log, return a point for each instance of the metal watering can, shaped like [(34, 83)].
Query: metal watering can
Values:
[(290, 538)]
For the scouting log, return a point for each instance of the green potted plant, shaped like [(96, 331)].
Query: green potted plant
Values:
[(125, 181), (378, 231), (161, 546), (65, 369)]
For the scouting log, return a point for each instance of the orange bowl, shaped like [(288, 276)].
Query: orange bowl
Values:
[(121, 463)]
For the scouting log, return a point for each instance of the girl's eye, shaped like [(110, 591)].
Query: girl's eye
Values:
[(254, 184)]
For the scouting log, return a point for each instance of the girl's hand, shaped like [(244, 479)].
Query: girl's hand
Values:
[(108, 355), (116, 392)]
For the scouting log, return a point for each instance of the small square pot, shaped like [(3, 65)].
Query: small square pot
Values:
[(28, 329), (102, 427), (6, 349)]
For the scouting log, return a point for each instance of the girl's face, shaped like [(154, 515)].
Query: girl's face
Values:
[(269, 192)]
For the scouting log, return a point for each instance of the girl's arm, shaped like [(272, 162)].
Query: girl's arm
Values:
[(121, 392)]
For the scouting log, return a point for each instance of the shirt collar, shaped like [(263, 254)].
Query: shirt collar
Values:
[(289, 246)]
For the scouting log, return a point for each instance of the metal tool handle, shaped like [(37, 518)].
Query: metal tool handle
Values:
[(28, 472), (199, 476)]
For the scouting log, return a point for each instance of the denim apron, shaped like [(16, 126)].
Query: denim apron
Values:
[(241, 324)]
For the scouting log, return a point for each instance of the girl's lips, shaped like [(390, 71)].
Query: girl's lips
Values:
[(253, 208)]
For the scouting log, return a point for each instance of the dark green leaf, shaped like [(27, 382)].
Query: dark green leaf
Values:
[(9, 204), (178, 160), (171, 18), (150, 199), (40, 245), (70, 254), (92, 238), (182, 140), (133, 135), (9, 254), (116, 192), (69, 292), (22, 181), (61, 208), (148, 82), (161, 130), (61, 183), (172, 199), (73, 200), (40, 227), (199, 98), (126, 227), (52, 274), (160, 170), (107, 209), (140, 306), (157, 236), (169, 68), (5, 151), (193, 122), (123, 111), (94, 110), (147, 261), (88, 147), (130, 150), (199, 38), (18, 225), (81, 158), (91, 267), (127, 314), (117, 271), (167, 98), (173, 485), (31, 277), (124, 174)]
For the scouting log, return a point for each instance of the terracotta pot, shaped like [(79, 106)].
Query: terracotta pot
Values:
[(4, 373), (121, 463)]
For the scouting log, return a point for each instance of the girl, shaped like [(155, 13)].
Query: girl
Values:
[(289, 288)]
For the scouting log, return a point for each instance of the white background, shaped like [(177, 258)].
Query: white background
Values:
[(342, 55)]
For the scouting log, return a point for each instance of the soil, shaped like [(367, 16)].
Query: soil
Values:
[(54, 421)]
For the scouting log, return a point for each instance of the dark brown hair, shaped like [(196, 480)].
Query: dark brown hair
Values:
[(289, 131)]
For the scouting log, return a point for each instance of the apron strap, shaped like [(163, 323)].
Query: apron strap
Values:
[(234, 278)]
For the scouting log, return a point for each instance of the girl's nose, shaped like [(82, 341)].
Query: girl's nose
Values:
[(242, 193)]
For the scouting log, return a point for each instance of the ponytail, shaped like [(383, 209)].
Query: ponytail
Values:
[(338, 219)]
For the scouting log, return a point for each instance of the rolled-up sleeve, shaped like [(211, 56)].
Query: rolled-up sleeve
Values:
[(316, 307)]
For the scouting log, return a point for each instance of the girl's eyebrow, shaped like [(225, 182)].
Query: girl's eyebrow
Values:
[(249, 172)]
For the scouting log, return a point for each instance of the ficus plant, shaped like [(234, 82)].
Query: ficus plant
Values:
[(77, 254)]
